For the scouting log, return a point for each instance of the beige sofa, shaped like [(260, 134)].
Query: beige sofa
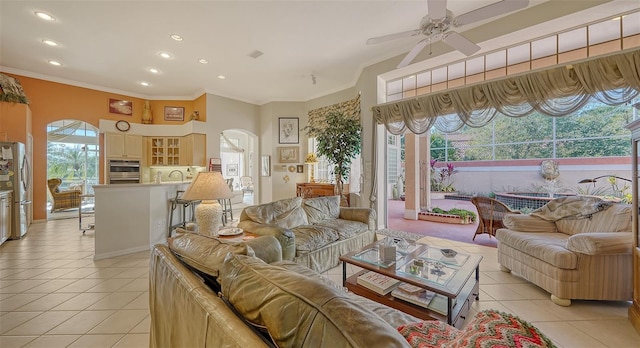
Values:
[(584, 255), (313, 232)]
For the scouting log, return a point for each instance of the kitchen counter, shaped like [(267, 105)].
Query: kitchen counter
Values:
[(130, 218)]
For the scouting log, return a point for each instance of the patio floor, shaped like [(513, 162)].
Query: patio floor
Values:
[(456, 232)]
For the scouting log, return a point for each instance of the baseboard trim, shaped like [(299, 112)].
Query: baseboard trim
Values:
[(120, 253)]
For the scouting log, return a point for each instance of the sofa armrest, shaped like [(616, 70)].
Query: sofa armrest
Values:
[(528, 223), (601, 243), (364, 215), (283, 235), (266, 248)]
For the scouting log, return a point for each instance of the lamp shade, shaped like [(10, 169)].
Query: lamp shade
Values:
[(207, 186)]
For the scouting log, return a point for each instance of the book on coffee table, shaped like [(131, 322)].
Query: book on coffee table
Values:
[(421, 297), (377, 282)]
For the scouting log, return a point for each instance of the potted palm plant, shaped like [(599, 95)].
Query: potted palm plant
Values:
[(339, 140)]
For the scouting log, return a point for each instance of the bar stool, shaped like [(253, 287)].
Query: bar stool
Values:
[(227, 210), (185, 204)]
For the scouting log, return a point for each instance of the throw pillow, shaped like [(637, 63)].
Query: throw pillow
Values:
[(489, 328), (204, 253), (300, 311)]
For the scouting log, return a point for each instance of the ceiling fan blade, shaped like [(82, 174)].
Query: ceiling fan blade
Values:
[(489, 11), (379, 39), (437, 8), (460, 43), (413, 53)]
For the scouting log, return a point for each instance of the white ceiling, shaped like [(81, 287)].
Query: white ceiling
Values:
[(110, 45)]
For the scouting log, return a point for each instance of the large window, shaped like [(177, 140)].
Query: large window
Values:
[(597, 130)]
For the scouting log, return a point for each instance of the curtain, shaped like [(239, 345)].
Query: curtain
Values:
[(612, 80), (230, 146), (61, 133)]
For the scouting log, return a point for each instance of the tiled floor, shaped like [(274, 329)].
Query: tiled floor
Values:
[(54, 295)]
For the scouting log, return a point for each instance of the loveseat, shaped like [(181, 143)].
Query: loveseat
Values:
[(313, 232), (573, 247), (207, 293)]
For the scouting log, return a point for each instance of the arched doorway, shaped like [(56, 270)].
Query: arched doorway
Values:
[(73, 157), (238, 150)]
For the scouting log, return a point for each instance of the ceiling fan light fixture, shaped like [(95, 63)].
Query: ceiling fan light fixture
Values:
[(221, 77), (203, 61), (176, 37), (165, 55), (144, 83), (55, 63), (154, 71)]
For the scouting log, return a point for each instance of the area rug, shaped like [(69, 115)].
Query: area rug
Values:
[(488, 329)]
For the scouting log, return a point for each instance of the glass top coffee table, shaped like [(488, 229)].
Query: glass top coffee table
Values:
[(450, 275)]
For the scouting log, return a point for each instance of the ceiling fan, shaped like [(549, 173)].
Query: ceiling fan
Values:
[(436, 24)]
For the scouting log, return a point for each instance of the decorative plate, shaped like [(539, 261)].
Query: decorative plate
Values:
[(123, 125), (230, 231)]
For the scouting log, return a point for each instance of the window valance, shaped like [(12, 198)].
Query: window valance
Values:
[(349, 108), (555, 92)]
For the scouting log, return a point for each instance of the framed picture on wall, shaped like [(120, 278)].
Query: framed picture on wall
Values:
[(300, 168), (173, 113), (288, 154), (232, 169), (265, 166), (288, 128), (122, 107)]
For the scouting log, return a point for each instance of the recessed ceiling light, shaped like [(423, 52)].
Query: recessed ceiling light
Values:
[(50, 42), (55, 62), (222, 77), (176, 37), (154, 70), (164, 55), (144, 83), (203, 61), (45, 16)]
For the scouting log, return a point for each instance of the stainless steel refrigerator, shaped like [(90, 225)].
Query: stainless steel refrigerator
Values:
[(15, 174)]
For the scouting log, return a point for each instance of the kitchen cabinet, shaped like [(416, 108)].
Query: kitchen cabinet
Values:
[(120, 145), (193, 150), (5, 215), (164, 151)]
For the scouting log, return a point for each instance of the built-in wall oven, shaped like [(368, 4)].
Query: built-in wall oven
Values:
[(124, 172)]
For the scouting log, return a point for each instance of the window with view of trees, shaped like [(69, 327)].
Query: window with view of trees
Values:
[(597, 130)]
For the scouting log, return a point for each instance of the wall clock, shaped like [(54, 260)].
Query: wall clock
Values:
[(123, 125)]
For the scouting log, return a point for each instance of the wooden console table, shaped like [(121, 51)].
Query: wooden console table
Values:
[(310, 190)]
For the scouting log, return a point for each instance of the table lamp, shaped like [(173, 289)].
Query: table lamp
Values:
[(208, 187), (311, 161)]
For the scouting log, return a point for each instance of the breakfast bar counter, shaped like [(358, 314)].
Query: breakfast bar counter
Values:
[(131, 218)]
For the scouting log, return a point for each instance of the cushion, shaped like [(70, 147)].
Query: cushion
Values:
[(549, 247), (204, 253), (321, 208), (345, 228), (286, 213), (489, 328), (301, 311), (313, 237)]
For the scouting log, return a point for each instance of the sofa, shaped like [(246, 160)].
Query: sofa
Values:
[(573, 247), (205, 292), (313, 232)]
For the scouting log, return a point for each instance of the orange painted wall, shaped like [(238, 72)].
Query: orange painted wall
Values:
[(51, 101)]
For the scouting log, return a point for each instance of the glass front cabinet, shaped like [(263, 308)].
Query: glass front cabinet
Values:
[(634, 310)]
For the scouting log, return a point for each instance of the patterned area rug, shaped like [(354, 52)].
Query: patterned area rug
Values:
[(488, 329), (408, 236)]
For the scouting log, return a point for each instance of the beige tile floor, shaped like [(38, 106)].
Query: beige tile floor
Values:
[(53, 294)]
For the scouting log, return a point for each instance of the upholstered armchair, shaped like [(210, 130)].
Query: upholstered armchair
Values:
[(247, 184), (63, 200)]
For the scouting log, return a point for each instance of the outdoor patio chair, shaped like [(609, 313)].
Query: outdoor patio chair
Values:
[(247, 184), (490, 215), (63, 200)]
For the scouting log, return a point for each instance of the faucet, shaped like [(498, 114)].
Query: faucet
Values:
[(179, 172)]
